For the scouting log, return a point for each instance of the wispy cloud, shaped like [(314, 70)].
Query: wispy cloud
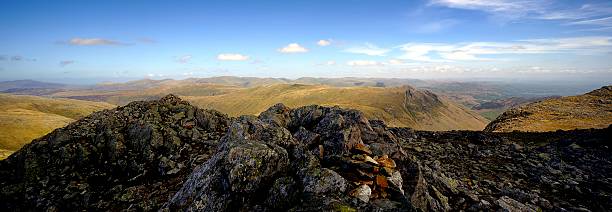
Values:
[(368, 49), (364, 63), (293, 48), (436, 26), (327, 63), (94, 42), (16, 58), (324, 42), (232, 57), (183, 59), (607, 21), (147, 40), (507, 8), (532, 9), (445, 52), (64, 63)]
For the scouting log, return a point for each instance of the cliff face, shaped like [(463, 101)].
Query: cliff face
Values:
[(590, 110), (168, 155)]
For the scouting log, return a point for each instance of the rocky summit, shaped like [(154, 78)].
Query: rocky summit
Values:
[(167, 155)]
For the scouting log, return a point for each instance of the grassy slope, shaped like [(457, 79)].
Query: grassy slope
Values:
[(566, 113), (377, 103), (23, 118), (123, 97)]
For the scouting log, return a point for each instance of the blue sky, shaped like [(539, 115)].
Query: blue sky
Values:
[(114, 40)]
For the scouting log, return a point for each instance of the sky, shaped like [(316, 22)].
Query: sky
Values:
[(430, 39)]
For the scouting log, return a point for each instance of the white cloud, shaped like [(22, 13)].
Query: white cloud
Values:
[(184, 59), (368, 49), (324, 42), (93, 42), (293, 48), (232, 57), (364, 63), (444, 52)]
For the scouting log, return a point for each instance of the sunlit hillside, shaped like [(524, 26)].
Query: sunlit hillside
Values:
[(591, 110), (398, 106), (23, 118)]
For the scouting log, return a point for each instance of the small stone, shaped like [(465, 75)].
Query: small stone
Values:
[(387, 171), (321, 151), (516, 147), (359, 165), (364, 175), (370, 160), (362, 149), (362, 193), (396, 181), (509, 204), (386, 161), (381, 181), (188, 125), (359, 157)]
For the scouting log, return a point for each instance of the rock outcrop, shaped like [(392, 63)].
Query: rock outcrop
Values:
[(129, 157), (168, 155)]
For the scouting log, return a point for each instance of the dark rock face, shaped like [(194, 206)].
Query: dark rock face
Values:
[(167, 155), (564, 170), (130, 157)]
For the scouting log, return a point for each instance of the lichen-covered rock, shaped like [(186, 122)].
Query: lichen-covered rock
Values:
[(129, 157), (324, 181), (168, 155), (362, 193)]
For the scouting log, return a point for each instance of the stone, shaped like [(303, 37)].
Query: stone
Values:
[(369, 159), (395, 181), (381, 181), (251, 163), (282, 194), (324, 182), (386, 161), (362, 149), (362, 193), (509, 204)]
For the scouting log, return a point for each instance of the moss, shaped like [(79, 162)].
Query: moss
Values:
[(345, 208), (544, 156)]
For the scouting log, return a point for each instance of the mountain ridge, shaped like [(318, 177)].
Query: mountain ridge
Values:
[(590, 110)]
